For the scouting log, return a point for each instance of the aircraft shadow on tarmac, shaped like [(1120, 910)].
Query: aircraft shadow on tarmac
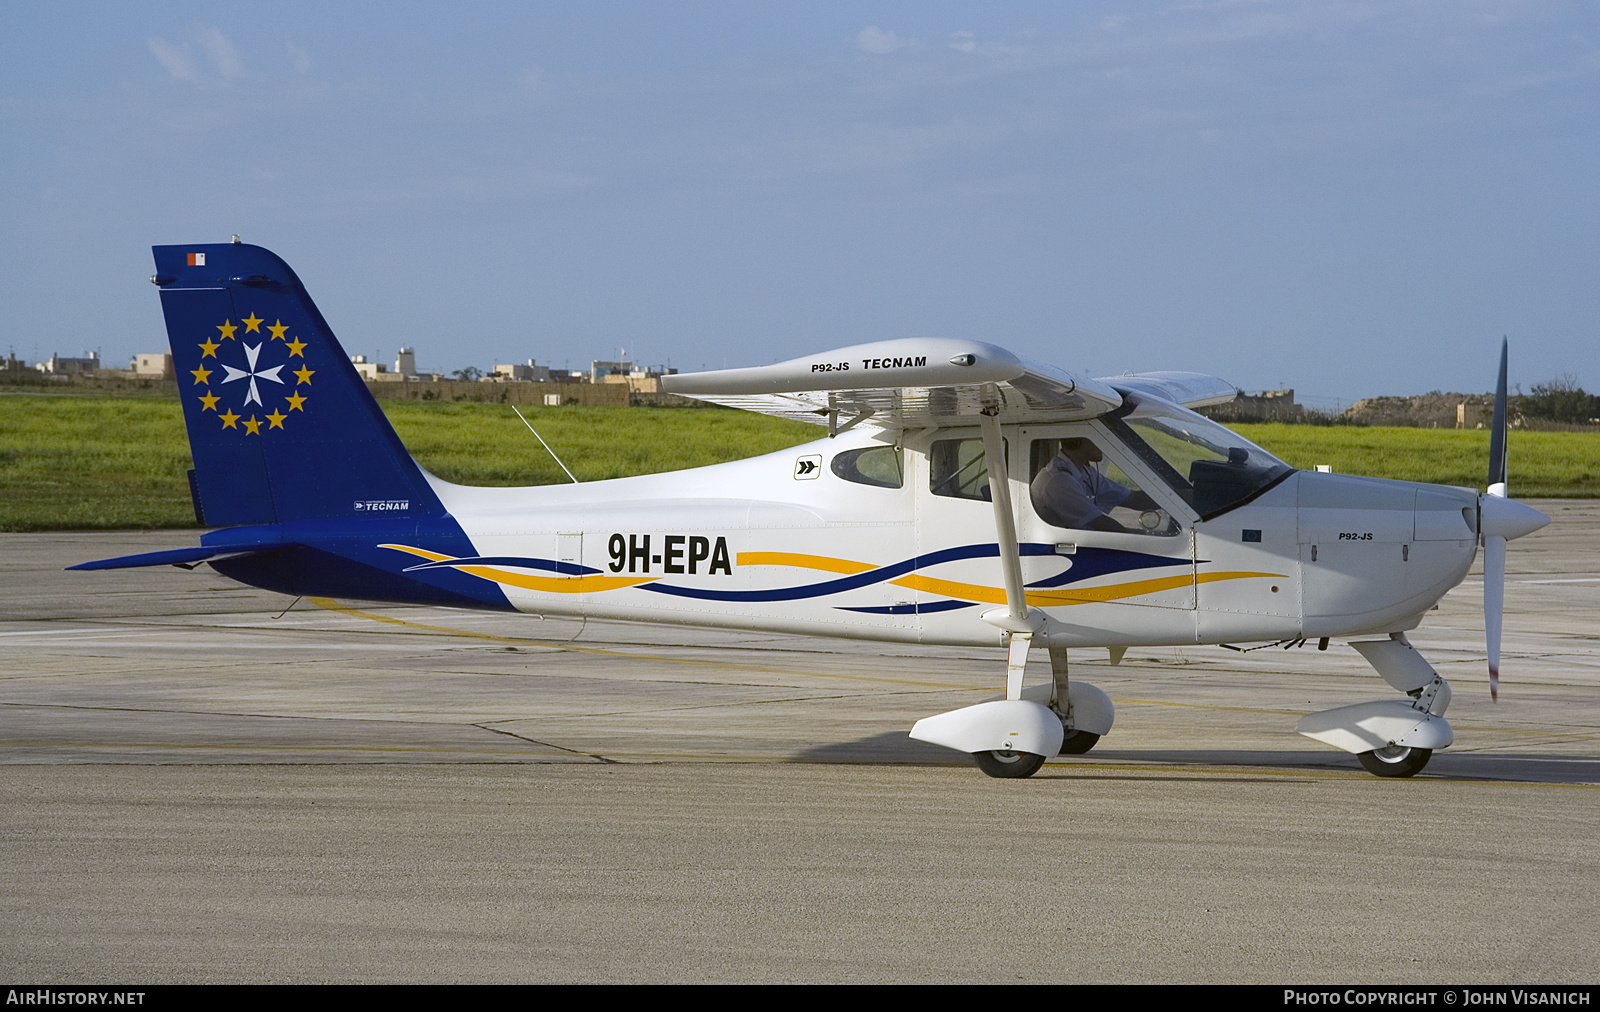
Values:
[(896, 747)]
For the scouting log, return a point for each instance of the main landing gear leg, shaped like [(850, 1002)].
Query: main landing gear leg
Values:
[(1009, 737), (1075, 740)]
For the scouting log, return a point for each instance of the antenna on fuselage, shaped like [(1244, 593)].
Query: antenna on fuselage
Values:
[(544, 444)]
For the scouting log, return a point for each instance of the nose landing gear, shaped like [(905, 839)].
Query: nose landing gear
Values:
[(1390, 737)]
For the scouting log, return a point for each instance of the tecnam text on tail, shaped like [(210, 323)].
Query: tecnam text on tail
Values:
[(962, 496)]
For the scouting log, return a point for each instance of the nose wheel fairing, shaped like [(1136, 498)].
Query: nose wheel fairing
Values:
[(1377, 724), (1393, 737)]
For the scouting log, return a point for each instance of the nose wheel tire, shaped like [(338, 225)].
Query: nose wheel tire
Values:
[(1078, 742), (1009, 765), (1394, 761)]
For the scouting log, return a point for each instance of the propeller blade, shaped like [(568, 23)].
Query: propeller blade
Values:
[(1494, 593), (1497, 434), (1494, 544), (1499, 520)]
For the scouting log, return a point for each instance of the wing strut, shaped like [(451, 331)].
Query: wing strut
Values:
[(1016, 618), (1009, 737)]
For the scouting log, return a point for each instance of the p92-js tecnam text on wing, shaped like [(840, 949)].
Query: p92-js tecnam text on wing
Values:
[(962, 496)]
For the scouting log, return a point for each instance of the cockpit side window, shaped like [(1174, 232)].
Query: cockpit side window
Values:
[(1074, 487), (871, 465)]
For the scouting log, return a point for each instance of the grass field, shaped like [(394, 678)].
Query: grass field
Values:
[(1542, 464), (80, 462)]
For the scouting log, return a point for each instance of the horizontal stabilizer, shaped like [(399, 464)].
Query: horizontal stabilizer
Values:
[(177, 557), (910, 382), (1191, 389)]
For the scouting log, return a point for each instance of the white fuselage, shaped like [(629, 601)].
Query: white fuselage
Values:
[(783, 543)]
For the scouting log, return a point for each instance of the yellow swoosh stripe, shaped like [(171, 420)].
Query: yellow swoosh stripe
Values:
[(926, 584), (822, 562), (993, 595), (1059, 598), (528, 581)]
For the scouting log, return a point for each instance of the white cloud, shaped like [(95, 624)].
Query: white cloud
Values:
[(873, 39), (299, 58), (176, 59), (967, 42), (220, 51), (179, 60)]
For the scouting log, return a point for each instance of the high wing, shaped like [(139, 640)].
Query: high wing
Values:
[(1190, 389), (903, 384)]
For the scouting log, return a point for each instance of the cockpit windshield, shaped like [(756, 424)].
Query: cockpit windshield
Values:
[(1213, 468)]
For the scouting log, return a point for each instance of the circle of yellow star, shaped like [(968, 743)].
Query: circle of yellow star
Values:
[(252, 324)]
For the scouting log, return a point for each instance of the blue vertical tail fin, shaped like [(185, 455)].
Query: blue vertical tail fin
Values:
[(281, 426)]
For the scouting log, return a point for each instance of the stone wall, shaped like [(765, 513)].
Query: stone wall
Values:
[(584, 394), (1425, 411)]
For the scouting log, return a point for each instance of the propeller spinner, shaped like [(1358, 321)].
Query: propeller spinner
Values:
[(1500, 519)]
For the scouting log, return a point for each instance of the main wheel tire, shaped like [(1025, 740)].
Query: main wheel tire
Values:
[(1078, 742), (1009, 765), (1395, 761)]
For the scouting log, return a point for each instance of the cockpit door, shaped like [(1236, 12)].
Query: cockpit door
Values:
[(1130, 546)]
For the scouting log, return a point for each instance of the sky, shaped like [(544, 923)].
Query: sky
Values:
[(1348, 198)]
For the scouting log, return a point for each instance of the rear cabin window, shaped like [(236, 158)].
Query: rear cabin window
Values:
[(871, 465)]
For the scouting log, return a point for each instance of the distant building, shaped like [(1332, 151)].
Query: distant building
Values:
[(58, 366), (156, 365), (644, 380), (598, 371), (405, 369), (1266, 406), (1277, 405), (532, 372), (369, 370), (13, 364)]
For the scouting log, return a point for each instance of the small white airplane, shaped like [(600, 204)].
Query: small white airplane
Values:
[(962, 496)]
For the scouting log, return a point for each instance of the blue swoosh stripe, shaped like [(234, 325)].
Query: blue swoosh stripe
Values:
[(914, 609), (1098, 562), (548, 565), (1086, 564)]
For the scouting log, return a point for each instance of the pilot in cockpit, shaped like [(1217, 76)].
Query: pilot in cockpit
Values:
[(1071, 492)]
